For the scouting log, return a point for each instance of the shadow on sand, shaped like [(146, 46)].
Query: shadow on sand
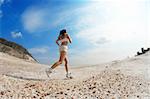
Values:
[(24, 78)]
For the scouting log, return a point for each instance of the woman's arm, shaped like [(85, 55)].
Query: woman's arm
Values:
[(70, 40), (57, 41)]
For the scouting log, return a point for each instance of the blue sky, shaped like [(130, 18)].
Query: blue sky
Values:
[(102, 30)]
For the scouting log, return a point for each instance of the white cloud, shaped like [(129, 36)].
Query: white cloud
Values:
[(123, 24), (37, 19), (39, 50), (102, 54), (40, 19), (1, 13), (2, 2), (114, 20), (33, 19), (148, 22), (101, 19), (44, 54), (16, 34)]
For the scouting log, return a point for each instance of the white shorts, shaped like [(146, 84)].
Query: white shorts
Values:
[(63, 48)]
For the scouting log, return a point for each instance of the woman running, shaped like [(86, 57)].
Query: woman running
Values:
[(62, 42)]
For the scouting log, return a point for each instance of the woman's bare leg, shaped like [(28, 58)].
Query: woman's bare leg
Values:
[(61, 59), (66, 64), (68, 75), (56, 64)]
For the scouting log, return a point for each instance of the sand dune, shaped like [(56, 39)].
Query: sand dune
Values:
[(120, 79)]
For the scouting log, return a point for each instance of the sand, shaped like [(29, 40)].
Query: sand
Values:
[(119, 79)]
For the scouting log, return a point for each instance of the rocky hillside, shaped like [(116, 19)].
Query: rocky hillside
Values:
[(16, 50)]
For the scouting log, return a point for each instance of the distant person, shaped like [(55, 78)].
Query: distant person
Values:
[(62, 42)]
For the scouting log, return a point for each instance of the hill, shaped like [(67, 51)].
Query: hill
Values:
[(15, 49)]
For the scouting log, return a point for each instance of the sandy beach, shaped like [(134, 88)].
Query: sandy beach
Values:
[(119, 79)]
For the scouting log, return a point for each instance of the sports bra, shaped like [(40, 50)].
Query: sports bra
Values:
[(64, 40)]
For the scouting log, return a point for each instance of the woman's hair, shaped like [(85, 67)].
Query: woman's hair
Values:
[(62, 32)]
